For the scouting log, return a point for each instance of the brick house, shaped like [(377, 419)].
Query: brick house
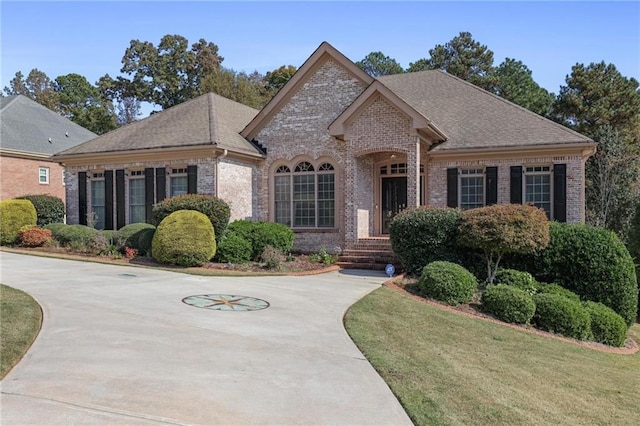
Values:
[(29, 135), (337, 153)]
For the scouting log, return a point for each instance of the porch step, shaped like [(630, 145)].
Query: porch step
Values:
[(376, 258)]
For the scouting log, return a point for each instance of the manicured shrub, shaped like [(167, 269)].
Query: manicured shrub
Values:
[(145, 238), (560, 315), (216, 209), (14, 214), (423, 235), (184, 238), (49, 209), (75, 235), (113, 238), (272, 258), (553, 288), (234, 249), (262, 234), (593, 263), (509, 303), (519, 279), (606, 325), (132, 234), (34, 236), (447, 282), (503, 228), (55, 227)]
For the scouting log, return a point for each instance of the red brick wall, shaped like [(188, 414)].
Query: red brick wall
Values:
[(19, 176)]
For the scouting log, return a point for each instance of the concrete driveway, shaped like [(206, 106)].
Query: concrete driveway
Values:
[(118, 346)]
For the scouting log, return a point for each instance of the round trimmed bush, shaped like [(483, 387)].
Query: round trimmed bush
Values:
[(80, 235), (263, 234), (509, 303), (519, 279), (234, 249), (423, 235), (55, 227), (34, 236), (184, 238), (216, 209), (49, 209), (131, 234), (593, 263), (606, 325), (145, 239), (112, 237), (14, 214), (553, 288), (560, 315), (447, 282)]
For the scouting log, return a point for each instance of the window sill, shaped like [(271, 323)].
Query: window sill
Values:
[(315, 230)]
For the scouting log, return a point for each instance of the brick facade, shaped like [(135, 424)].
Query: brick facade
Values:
[(235, 186), (20, 176)]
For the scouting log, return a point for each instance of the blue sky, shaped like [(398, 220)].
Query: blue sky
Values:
[(90, 38)]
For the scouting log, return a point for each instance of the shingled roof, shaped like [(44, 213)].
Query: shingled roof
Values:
[(30, 128), (209, 119), (473, 118)]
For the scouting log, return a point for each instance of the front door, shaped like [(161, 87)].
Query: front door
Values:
[(394, 199)]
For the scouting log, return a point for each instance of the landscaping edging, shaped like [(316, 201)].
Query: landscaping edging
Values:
[(631, 346)]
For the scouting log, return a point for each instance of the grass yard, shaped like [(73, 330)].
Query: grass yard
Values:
[(20, 320), (450, 369)]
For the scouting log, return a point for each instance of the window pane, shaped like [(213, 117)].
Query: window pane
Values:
[(97, 202), (43, 175), (136, 201), (178, 185), (538, 191), (304, 205), (326, 200), (471, 192), (283, 199)]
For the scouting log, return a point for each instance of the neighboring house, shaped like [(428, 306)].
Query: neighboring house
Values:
[(336, 154), (29, 135)]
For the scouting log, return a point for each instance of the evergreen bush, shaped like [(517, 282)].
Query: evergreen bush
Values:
[(263, 234), (15, 214), (509, 303), (423, 235), (185, 238), (49, 209), (234, 249), (133, 234), (606, 325), (447, 282), (78, 236), (519, 279), (557, 314), (34, 236)]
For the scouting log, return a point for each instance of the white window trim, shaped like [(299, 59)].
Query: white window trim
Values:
[(479, 172), (47, 172), (177, 172), (538, 173)]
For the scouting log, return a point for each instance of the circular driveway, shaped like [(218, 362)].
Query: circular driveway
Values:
[(119, 346)]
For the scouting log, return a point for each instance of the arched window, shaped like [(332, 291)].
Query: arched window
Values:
[(305, 198)]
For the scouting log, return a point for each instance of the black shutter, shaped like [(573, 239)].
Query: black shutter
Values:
[(516, 184), (192, 179), (452, 187), (161, 184), (82, 198), (149, 190), (492, 185), (108, 199), (120, 211), (560, 192)]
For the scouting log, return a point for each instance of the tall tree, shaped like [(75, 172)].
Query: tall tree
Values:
[(512, 80), (82, 103), (377, 63), (121, 94), (37, 86), (248, 89), (274, 80), (596, 95), (170, 73), (463, 57)]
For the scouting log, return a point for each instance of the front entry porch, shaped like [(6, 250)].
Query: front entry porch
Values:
[(369, 253)]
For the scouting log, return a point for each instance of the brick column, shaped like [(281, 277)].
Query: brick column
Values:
[(413, 175)]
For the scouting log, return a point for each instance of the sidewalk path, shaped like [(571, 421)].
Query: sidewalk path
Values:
[(118, 346)]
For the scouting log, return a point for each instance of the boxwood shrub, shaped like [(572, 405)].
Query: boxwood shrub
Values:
[(519, 279), (49, 209), (606, 325), (447, 282), (553, 288), (593, 263), (216, 209), (184, 238), (80, 235), (133, 234), (15, 214), (509, 303), (262, 234), (235, 249), (558, 314), (423, 235)]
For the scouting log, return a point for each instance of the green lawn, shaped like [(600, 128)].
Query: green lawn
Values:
[(446, 368), (20, 320)]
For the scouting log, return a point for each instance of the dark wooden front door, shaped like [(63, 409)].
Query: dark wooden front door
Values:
[(394, 199)]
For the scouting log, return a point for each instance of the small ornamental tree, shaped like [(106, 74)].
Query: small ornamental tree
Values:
[(504, 228)]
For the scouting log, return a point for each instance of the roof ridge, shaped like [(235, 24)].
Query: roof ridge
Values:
[(213, 123), (11, 98), (513, 104)]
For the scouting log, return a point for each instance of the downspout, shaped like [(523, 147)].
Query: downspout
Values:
[(217, 177)]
